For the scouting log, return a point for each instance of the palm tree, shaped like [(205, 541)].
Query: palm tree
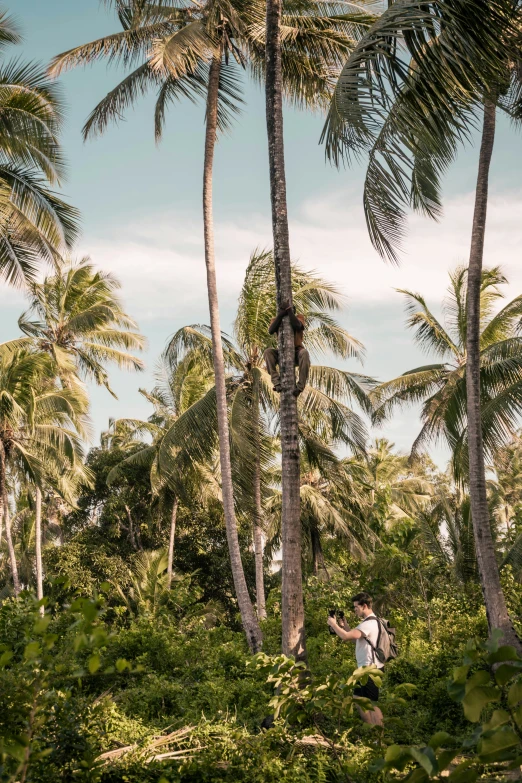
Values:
[(251, 401), (41, 427), (293, 641), (35, 224), (505, 491), (390, 488), (77, 317), (441, 386), (443, 389), (193, 52), (174, 474), (464, 62)]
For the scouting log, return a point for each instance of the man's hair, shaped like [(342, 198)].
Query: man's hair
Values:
[(363, 598)]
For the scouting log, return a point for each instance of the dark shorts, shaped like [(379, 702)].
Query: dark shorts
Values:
[(368, 691)]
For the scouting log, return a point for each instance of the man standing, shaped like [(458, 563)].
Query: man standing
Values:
[(367, 631), (302, 357)]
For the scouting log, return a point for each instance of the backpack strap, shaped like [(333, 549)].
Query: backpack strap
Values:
[(373, 648)]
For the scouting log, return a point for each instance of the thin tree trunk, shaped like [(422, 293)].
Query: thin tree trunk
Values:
[(318, 563), (487, 564), (293, 641), (10, 546), (258, 519), (38, 547), (258, 511), (132, 537), (170, 560), (248, 617)]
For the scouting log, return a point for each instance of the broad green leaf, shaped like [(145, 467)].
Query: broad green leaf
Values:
[(476, 699), (40, 625), (505, 672), (94, 663), (496, 746), (439, 739), (89, 611), (479, 678), (393, 753), (418, 775), (506, 653), (5, 658), (460, 674), (32, 650), (444, 758), (122, 664), (515, 694), (499, 718), (426, 758)]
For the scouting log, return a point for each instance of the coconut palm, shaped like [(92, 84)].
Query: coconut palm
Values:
[(412, 109), (441, 386), (293, 639), (35, 224), (77, 317), (198, 52), (391, 490), (253, 405), (41, 427), (505, 490), (174, 473), (331, 509)]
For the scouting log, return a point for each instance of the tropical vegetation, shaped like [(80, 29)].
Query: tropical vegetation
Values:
[(164, 594)]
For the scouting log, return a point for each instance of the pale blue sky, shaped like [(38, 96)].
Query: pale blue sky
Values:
[(141, 209)]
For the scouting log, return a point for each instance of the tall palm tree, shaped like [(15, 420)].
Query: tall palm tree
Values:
[(253, 405), (41, 427), (441, 386), (196, 52), (35, 224), (443, 389), (412, 115), (77, 317), (293, 641)]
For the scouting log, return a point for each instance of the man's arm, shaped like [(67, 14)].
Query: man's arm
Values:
[(296, 321), (276, 323), (347, 636)]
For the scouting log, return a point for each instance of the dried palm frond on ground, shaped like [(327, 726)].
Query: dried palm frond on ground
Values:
[(147, 753)]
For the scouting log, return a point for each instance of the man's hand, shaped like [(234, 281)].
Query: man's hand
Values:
[(332, 622), (343, 624), (285, 307)]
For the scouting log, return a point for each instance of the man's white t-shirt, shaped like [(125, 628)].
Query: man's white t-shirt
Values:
[(363, 652)]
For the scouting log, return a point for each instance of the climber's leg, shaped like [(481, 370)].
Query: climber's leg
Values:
[(302, 358), (271, 357)]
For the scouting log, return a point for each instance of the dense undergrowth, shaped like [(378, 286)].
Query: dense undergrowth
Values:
[(99, 673)]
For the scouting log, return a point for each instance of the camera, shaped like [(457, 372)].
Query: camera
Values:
[(333, 613)]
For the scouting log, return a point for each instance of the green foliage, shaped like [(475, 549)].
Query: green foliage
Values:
[(488, 685)]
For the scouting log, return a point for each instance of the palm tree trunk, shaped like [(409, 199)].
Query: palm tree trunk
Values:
[(6, 517), (487, 564), (170, 560), (258, 520), (10, 547), (38, 547), (248, 617), (258, 512), (293, 641)]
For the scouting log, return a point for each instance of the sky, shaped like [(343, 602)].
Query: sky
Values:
[(141, 217)]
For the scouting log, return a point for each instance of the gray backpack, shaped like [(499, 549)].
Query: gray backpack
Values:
[(386, 648)]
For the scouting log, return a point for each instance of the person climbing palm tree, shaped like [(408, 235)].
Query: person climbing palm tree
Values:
[(302, 357)]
